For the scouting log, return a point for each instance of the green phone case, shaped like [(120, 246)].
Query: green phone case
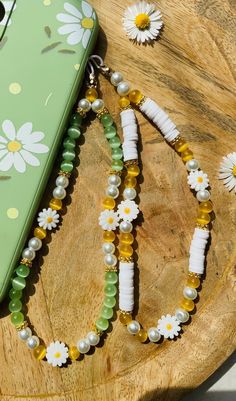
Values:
[(43, 55)]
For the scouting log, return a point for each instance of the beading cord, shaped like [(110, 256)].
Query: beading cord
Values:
[(168, 325)]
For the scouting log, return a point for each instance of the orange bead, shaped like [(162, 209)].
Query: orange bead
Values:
[(135, 96), (181, 146), (40, 352), (40, 233), (126, 251), (55, 204), (193, 282), (108, 203), (109, 236), (187, 155), (125, 318), (124, 102), (126, 238), (187, 304), (91, 95), (206, 207), (203, 218), (130, 182), (73, 353), (142, 335), (133, 170)]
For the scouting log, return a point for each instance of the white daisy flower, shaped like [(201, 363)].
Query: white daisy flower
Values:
[(169, 326), (57, 353), (8, 6), (77, 26), (142, 22), (108, 220), (198, 180), (128, 210), (227, 171), (48, 219), (17, 147)]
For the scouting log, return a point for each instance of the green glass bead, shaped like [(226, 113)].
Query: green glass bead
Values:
[(15, 305), (102, 324), (109, 302), (69, 143), (114, 142), (23, 271), (117, 165), (110, 132), (106, 312), (76, 120), (18, 283), (117, 154), (68, 155), (17, 318), (66, 166), (74, 132), (14, 294), (111, 277), (110, 290), (107, 120)]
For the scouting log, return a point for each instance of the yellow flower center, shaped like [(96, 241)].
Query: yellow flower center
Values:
[(57, 355), (234, 171), (14, 146), (127, 210), (87, 23), (142, 21), (49, 219), (110, 220), (200, 180), (169, 326)]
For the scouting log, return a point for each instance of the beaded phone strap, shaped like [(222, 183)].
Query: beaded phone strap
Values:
[(168, 326)]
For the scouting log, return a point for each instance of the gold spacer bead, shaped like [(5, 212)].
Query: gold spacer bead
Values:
[(126, 107), (176, 140), (113, 172), (191, 274), (142, 100), (111, 269), (64, 173), (131, 163), (26, 262), (98, 332), (81, 112), (22, 326), (102, 113), (203, 227), (128, 259)]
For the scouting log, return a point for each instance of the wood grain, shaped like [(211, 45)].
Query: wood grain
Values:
[(190, 72)]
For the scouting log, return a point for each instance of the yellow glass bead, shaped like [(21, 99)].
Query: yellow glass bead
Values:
[(40, 352), (55, 204), (126, 251), (130, 182), (133, 170), (91, 95), (193, 282), (187, 304), (73, 353), (181, 146), (108, 203), (203, 218), (135, 96), (109, 236), (124, 102), (125, 318), (187, 155), (40, 233), (206, 207), (142, 335), (126, 238)]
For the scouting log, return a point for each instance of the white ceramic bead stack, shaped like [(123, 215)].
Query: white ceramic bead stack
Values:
[(126, 286), (130, 135), (197, 250)]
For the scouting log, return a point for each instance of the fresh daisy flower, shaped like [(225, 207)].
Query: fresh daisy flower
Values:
[(227, 171), (128, 210), (57, 353), (108, 220), (168, 326), (198, 180), (17, 147), (48, 219), (8, 6), (142, 22), (77, 26)]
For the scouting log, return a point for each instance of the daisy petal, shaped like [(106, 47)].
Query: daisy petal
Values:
[(2, 140), (68, 19), (24, 131), (7, 162), (36, 148), (9, 130), (3, 152), (73, 10), (35, 137), (68, 28), (19, 163), (29, 158), (75, 37), (86, 37), (87, 9)]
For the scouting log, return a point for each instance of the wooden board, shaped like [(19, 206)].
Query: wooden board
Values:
[(189, 72)]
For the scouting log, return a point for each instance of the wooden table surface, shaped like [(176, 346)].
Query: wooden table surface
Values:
[(190, 72)]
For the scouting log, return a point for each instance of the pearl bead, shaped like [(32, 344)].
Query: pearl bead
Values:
[(126, 227), (97, 105), (24, 334), (110, 260), (112, 191), (192, 165), (203, 195), (28, 253), (133, 327), (190, 293), (93, 338), (129, 193), (182, 315), (33, 342), (83, 346), (62, 181), (35, 243), (123, 88), (59, 193), (116, 78), (114, 180), (84, 104), (154, 335), (108, 247)]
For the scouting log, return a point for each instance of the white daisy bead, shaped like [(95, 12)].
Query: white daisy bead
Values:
[(108, 220), (198, 180), (227, 171), (128, 210), (168, 326), (57, 353)]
